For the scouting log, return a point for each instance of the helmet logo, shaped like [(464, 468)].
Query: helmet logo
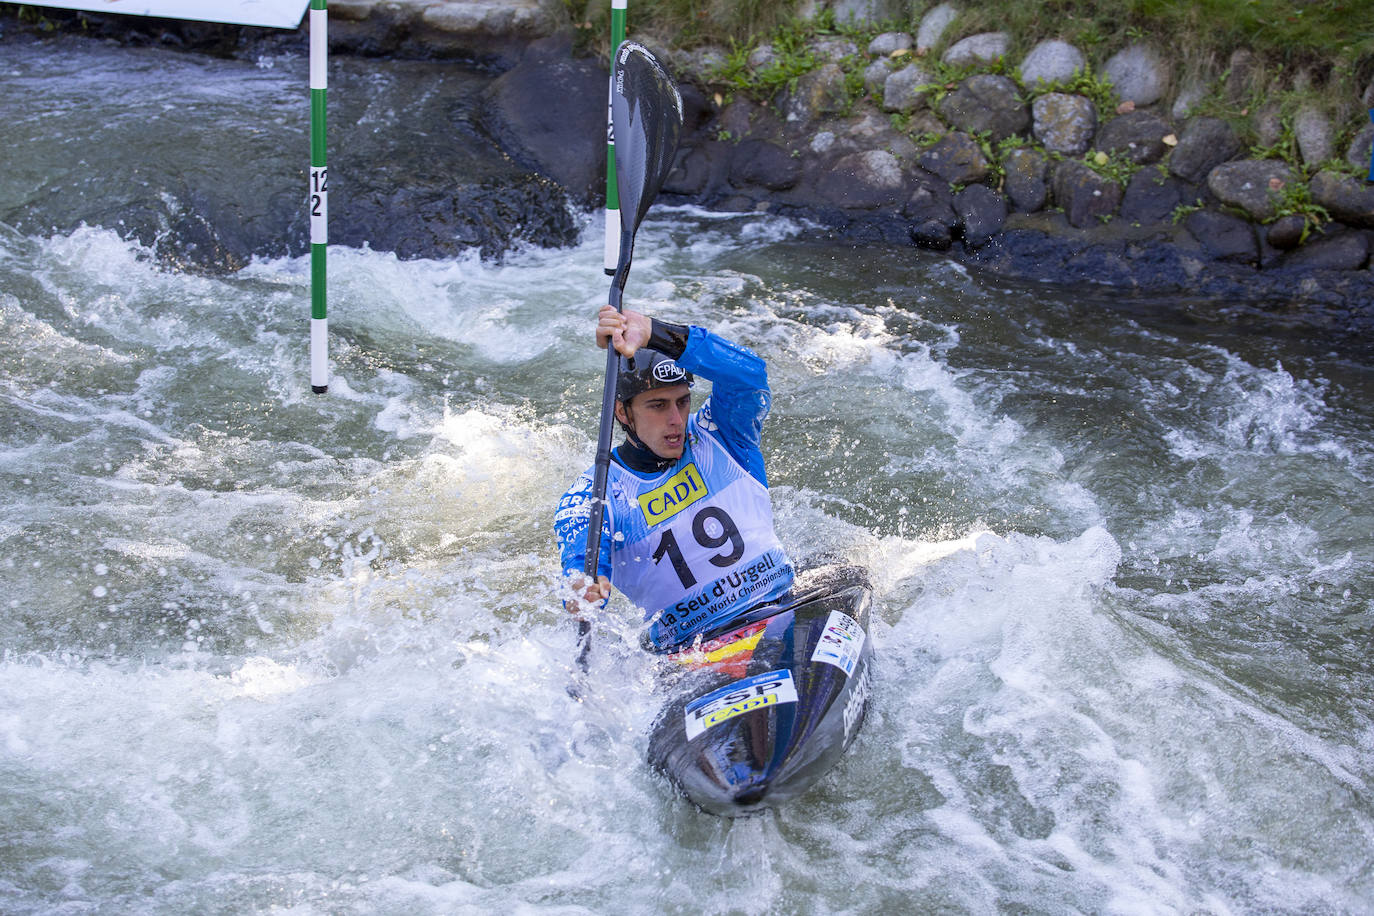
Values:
[(668, 372)]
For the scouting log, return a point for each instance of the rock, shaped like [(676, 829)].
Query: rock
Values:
[(1242, 70), (1051, 62), (1359, 152), (984, 48), (765, 165), (761, 57), (818, 93), (957, 158), (986, 103), (1312, 129), (875, 77), (982, 212), (1139, 135), (933, 26), (907, 89), (864, 181), (1138, 74), (1349, 200), (1253, 185), (1064, 123), (868, 12), (1268, 122), (834, 50), (1151, 197), (1344, 251), (888, 42), (1224, 237), (1367, 99), (1187, 100), (559, 141), (1285, 233), (489, 27), (1026, 181), (873, 130), (1205, 144), (1085, 196), (690, 173), (931, 212)]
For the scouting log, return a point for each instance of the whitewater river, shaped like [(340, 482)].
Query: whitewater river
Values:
[(268, 651)]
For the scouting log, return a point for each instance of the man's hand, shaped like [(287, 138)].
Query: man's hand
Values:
[(588, 593), (627, 330)]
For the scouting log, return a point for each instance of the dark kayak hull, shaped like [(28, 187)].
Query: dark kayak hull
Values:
[(757, 714)]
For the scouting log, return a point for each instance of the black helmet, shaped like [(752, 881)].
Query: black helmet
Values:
[(646, 370)]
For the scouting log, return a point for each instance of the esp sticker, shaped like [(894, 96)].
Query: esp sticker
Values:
[(840, 643), (736, 699)]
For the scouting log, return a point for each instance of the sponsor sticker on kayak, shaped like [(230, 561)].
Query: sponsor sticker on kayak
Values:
[(840, 643), (736, 699)]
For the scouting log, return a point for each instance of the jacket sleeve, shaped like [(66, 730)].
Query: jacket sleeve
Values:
[(570, 527), (740, 398)]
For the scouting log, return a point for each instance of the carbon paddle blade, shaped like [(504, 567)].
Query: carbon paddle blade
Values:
[(646, 116)]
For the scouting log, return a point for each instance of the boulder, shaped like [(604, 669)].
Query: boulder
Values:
[(818, 93), (1242, 69), (562, 142), (1064, 123), (984, 48), (1051, 61), (982, 212), (1139, 135), (761, 57), (1342, 251), (1138, 74), (868, 12), (864, 181), (1026, 181), (875, 77), (1349, 200), (1359, 152), (764, 164), (889, 42), (930, 209), (834, 50), (986, 103), (1085, 196), (1268, 123), (907, 89), (1152, 198), (1188, 97), (1285, 233), (690, 173), (1205, 144), (1312, 129), (1224, 237), (957, 158), (933, 26), (1253, 185)]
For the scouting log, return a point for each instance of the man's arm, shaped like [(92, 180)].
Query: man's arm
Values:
[(570, 526), (740, 398)]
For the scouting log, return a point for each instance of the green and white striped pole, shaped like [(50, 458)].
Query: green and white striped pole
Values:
[(319, 199), (611, 256)]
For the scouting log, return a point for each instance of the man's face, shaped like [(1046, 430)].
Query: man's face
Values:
[(659, 418)]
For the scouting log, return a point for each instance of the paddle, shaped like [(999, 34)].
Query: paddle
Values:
[(646, 119)]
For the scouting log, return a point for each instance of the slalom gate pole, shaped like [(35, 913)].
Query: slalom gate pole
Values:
[(319, 198), (611, 255)]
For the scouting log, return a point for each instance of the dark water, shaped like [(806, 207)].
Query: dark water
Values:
[(266, 650)]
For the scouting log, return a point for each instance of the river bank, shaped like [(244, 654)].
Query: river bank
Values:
[(1010, 173)]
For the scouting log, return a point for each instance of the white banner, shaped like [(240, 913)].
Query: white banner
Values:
[(276, 14)]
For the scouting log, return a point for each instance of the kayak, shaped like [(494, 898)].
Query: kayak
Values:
[(757, 714)]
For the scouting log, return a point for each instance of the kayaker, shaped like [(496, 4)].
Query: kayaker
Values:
[(688, 530)]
